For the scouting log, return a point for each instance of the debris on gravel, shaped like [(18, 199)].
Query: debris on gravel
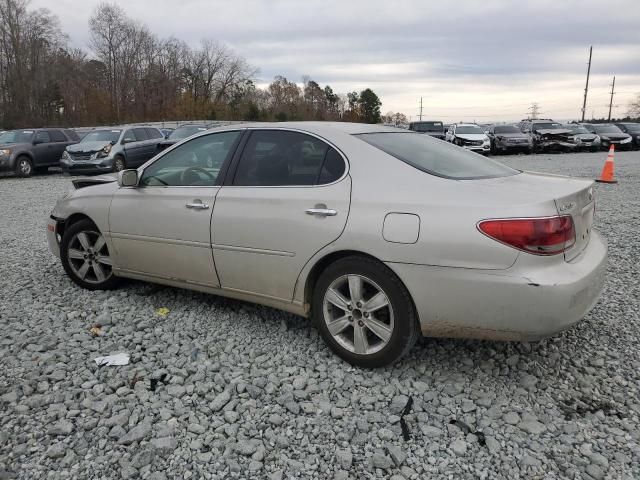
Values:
[(223, 389)]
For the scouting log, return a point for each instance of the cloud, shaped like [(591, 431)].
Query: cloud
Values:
[(467, 58)]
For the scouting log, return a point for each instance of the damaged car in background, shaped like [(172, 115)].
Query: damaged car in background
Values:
[(584, 139), (549, 136), (610, 134)]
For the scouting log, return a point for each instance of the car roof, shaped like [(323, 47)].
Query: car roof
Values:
[(319, 128)]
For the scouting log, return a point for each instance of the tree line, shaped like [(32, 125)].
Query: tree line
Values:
[(132, 75)]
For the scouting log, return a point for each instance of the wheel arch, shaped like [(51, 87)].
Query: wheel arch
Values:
[(70, 220), (322, 263)]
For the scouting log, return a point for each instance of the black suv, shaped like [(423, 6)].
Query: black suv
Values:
[(434, 129), (632, 129), (33, 149)]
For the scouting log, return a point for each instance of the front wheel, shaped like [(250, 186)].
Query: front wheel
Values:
[(364, 312), (119, 164), (86, 258), (24, 167)]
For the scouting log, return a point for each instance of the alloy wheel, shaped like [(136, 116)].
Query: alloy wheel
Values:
[(89, 257), (24, 166), (358, 314), (118, 164)]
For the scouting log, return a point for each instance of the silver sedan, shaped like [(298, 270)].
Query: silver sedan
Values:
[(377, 234)]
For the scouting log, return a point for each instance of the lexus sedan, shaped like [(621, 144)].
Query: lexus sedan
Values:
[(377, 234)]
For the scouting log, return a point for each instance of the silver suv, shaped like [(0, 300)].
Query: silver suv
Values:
[(111, 150)]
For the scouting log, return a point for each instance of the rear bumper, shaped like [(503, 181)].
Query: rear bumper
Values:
[(514, 304)]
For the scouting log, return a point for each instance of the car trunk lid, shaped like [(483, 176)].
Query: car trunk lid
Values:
[(581, 206)]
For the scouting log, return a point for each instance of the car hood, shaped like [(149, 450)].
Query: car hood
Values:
[(554, 131), (614, 136), (16, 145), (512, 135), (472, 136), (82, 182), (585, 136), (87, 147)]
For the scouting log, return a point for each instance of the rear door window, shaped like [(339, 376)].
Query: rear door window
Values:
[(435, 157), (286, 158)]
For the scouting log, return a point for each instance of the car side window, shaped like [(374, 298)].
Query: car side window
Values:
[(154, 133), (43, 137), (281, 158), (195, 163), (332, 168), (129, 136), (140, 134), (57, 136)]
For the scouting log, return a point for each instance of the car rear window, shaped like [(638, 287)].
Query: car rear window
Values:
[(436, 157)]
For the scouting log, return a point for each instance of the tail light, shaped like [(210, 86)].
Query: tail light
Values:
[(540, 236)]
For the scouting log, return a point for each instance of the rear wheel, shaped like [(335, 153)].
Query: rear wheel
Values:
[(364, 312), (86, 258), (24, 167)]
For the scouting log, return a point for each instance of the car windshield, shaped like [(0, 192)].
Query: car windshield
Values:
[(435, 157), (632, 127), (577, 128), (469, 129), (428, 127), (506, 129), (607, 129), (184, 132), (16, 136), (547, 126), (101, 136)]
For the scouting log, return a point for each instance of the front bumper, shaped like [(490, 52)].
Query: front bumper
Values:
[(478, 148), (52, 236), (512, 146), (72, 167), (6, 164), (520, 303)]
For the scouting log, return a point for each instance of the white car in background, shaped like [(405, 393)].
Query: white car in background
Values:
[(469, 136), (377, 234)]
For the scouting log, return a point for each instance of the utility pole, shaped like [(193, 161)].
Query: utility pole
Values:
[(613, 85), (420, 108), (586, 87), (534, 111)]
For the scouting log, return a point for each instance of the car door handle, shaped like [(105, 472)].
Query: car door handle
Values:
[(198, 205), (322, 212)]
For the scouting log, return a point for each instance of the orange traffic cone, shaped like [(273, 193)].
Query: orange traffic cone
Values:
[(607, 172)]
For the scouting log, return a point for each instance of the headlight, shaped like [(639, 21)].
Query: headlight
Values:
[(604, 138), (66, 155), (597, 139), (105, 151), (626, 140), (6, 152)]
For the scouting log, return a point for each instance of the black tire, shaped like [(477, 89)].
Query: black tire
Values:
[(405, 329), (119, 164), (91, 280), (24, 166)]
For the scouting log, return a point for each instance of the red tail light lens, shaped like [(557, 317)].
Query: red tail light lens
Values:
[(540, 236)]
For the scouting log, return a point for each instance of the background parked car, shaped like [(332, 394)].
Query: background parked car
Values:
[(610, 135), (37, 149), (182, 132), (112, 150), (433, 128), (584, 139), (508, 138), (469, 136), (632, 129), (167, 131), (548, 135)]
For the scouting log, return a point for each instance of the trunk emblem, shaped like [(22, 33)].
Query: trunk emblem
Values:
[(567, 206)]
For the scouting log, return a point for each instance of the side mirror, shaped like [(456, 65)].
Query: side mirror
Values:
[(112, 142), (127, 140), (128, 178)]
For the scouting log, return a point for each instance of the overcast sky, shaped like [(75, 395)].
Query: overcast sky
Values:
[(483, 60)]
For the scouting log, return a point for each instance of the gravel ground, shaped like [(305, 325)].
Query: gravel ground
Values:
[(223, 389)]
